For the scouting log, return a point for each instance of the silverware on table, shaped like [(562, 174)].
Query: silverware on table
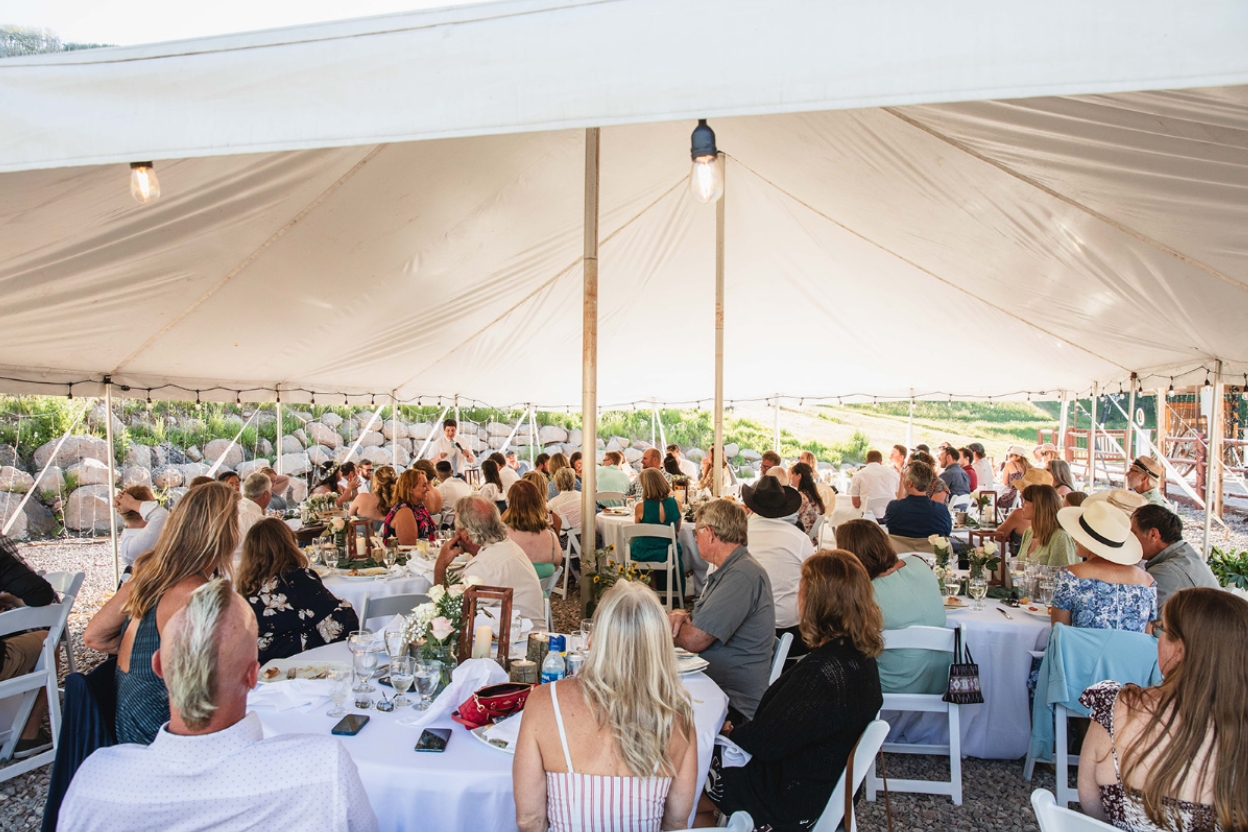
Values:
[(1006, 614)]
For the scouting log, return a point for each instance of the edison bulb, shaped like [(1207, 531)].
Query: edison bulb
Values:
[(144, 186), (706, 180)]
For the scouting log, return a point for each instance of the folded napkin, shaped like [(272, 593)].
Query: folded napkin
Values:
[(304, 694), (507, 731), (733, 755), (470, 676)]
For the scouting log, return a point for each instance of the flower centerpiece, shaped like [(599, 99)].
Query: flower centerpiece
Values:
[(435, 625), (604, 572), (311, 509), (941, 548), (336, 528), (984, 557)]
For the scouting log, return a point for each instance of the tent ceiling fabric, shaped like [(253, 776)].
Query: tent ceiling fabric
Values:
[(979, 248)]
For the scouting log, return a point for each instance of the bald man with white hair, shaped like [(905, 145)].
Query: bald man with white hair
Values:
[(210, 766)]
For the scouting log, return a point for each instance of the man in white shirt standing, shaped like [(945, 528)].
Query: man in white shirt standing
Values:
[(779, 546), (497, 560), (256, 490), (447, 447), (873, 480), (210, 767)]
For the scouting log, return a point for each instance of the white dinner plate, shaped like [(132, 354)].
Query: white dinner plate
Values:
[(957, 607), (497, 745), (303, 669), (691, 664), (1039, 612)]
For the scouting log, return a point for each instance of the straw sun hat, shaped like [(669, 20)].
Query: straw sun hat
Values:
[(1120, 498), (1034, 476), (1103, 530)]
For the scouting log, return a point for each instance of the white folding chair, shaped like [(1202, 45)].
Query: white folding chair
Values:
[(1063, 760), (739, 822), (27, 686), (609, 498), (1054, 818), (817, 530), (67, 586), (548, 586), (938, 639), (962, 503), (670, 566), (877, 505), (389, 605), (869, 743), (572, 550), (777, 659)]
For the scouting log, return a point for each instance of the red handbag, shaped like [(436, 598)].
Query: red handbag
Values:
[(492, 703)]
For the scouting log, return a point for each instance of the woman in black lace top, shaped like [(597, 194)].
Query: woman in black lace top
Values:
[(809, 720)]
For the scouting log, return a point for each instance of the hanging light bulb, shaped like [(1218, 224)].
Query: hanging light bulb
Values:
[(71, 391), (144, 186), (706, 179)]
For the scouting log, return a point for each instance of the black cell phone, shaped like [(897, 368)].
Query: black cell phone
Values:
[(433, 739), (350, 725), (385, 680)]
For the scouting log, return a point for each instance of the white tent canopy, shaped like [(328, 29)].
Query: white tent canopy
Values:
[(396, 203)]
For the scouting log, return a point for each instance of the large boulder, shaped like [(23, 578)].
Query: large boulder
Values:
[(321, 434), (297, 493), (641, 444), (472, 443), (53, 480), (731, 450), (245, 469), (140, 456), (167, 476), (264, 448), (695, 454), (233, 421), (291, 444), (8, 507), (497, 429), (75, 449), (375, 454), (341, 455), (404, 456), (296, 464), (331, 418), (95, 418), (175, 494), (613, 445), (574, 437), (15, 481), (40, 521), (194, 454), (90, 472), (302, 436), (547, 434), (191, 470), (348, 430), (372, 439), (751, 455), (132, 475), (172, 455), (233, 453), (406, 444), (496, 442), (89, 509), (419, 430), (632, 455), (9, 457), (393, 430), (318, 455)]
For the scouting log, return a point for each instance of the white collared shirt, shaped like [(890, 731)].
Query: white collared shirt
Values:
[(135, 542), (780, 547), (983, 474), (249, 514), (442, 445), (229, 780), (505, 564), (453, 490), (509, 478), (874, 480)]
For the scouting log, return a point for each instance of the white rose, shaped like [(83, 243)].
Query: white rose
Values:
[(472, 580), (425, 611), (933, 539), (436, 592), (944, 543), (990, 548), (338, 524), (456, 590)]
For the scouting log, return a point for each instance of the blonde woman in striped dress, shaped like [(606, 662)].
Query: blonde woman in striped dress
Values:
[(615, 747)]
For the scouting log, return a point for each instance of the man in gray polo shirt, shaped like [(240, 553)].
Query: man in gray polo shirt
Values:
[(1170, 559), (733, 625)]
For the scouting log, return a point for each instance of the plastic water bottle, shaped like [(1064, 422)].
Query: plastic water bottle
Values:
[(553, 668)]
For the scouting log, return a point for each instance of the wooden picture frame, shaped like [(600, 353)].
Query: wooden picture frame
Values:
[(468, 631)]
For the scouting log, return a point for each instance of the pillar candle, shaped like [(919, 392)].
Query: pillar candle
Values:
[(524, 671), (481, 644), (360, 546), (539, 645)]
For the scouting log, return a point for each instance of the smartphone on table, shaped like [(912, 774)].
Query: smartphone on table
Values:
[(433, 740), (350, 725)]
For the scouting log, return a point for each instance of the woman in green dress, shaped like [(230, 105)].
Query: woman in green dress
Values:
[(657, 507), (1044, 542)]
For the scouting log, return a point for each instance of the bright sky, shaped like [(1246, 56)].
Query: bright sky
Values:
[(126, 22)]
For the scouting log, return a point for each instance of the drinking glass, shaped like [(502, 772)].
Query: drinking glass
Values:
[(587, 629), (1046, 582), (389, 556), (427, 676), (365, 664), (952, 583), (1018, 575), (360, 641), (313, 555), (402, 674), (339, 687), (977, 589)]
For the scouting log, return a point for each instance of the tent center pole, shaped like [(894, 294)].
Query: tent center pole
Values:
[(1061, 428), (1096, 395), (717, 458), (775, 442), (1213, 459), (394, 431), (589, 369), (910, 423), (112, 478), (1129, 439), (280, 450)]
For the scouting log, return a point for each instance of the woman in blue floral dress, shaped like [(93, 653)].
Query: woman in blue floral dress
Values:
[(1107, 590), (294, 610)]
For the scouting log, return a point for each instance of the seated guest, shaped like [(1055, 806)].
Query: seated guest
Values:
[(376, 503), (657, 507), (1074, 498), (1171, 757), (231, 479), (210, 766), (1128, 502), (734, 621), (539, 479), (727, 477), (516, 464), (809, 721), (433, 497), (1014, 467), (610, 477), (199, 539), (256, 493), (145, 519), (365, 470), (567, 500), (497, 560), (770, 460), (542, 463), (671, 467), (281, 484), (452, 488), (20, 652), (983, 467), (908, 595), (1044, 454), (576, 462), (294, 610), (506, 475), (952, 474), (915, 515), (812, 508), (491, 484), (687, 466), (649, 459), (1012, 529), (873, 481), (1044, 541), (1144, 476), (966, 459), (937, 490), (1170, 559), (1106, 591), (408, 520), (615, 747), (557, 461), (897, 458), (529, 527), (826, 492), (343, 481), (780, 547), (198, 481), (1063, 481)]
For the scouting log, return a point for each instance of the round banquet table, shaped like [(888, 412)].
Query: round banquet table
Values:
[(1000, 728), (468, 787), (611, 528), (354, 589)]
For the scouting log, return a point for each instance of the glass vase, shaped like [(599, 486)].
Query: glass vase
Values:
[(977, 570), (445, 654)]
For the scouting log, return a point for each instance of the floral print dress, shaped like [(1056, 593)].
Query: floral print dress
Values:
[(424, 523), (1100, 605), (295, 612)]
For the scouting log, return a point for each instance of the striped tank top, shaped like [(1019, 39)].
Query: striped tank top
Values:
[(142, 699), (599, 802)]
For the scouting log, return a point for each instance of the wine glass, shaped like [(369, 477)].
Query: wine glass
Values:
[(402, 674), (339, 686), (360, 641), (427, 675), (394, 644), (977, 589), (389, 556), (365, 664), (952, 583)]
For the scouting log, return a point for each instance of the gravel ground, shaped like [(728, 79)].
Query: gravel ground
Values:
[(996, 796)]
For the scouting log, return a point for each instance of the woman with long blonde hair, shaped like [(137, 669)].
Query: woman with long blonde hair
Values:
[(198, 540), (615, 747), (376, 503), (1175, 757)]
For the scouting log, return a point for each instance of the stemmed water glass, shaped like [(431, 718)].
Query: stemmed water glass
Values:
[(977, 588), (952, 583), (427, 676), (402, 674), (339, 687), (365, 664), (360, 642)]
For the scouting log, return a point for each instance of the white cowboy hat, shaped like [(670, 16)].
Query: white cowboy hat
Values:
[(1103, 530), (1016, 450)]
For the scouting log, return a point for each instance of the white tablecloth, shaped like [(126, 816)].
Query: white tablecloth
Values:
[(468, 787), (998, 729), (611, 528), (354, 590)]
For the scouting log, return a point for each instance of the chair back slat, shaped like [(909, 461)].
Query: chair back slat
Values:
[(937, 639)]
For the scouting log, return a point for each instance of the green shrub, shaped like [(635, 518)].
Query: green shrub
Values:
[(1230, 568)]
